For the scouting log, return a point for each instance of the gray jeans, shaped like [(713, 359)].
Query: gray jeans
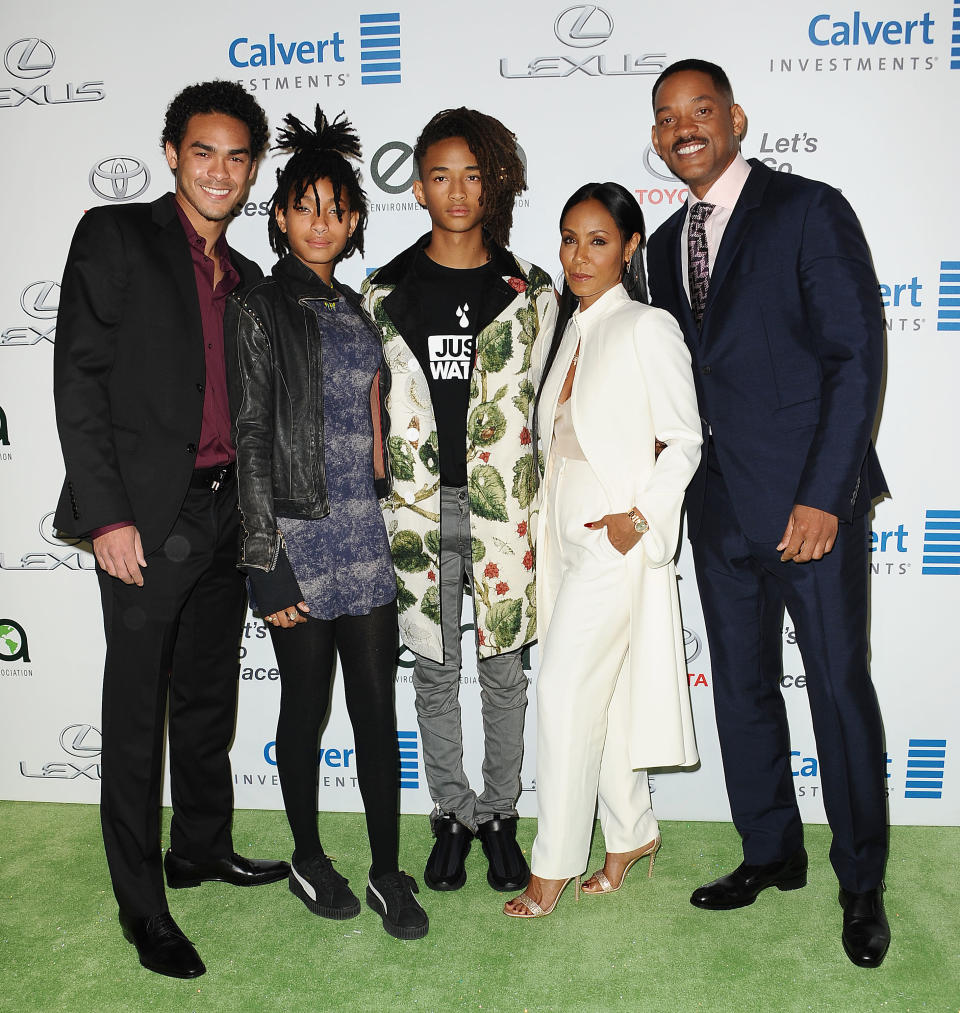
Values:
[(503, 694)]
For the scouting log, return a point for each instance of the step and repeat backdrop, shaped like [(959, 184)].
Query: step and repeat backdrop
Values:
[(858, 93)]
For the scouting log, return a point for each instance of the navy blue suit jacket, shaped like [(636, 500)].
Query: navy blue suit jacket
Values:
[(789, 358)]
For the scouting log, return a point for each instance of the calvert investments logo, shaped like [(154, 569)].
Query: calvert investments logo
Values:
[(948, 308), (581, 29), (926, 760), (30, 59), (901, 300), (380, 48), (856, 41), (314, 62), (941, 543), (119, 178), (40, 300), (82, 742)]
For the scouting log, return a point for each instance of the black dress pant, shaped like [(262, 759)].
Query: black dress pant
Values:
[(176, 636), (743, 588)]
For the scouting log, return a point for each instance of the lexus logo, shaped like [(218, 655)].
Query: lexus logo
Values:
[(29, 58), (119, 178), (392, 167), (583, 26), (691, 645), (41, 299), (655, 165), (49, 533), (81, 740)]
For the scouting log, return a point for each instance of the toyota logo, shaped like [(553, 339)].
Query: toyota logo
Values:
[(119, 178), (28, 58), (392, 174), (81, 740), (655, 165), (691, 645), (41, 299), (583, 26)]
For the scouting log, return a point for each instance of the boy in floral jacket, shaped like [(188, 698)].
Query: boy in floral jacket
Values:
[(459, 316)]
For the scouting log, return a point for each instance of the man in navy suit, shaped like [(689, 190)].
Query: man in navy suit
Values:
[(773, 286)]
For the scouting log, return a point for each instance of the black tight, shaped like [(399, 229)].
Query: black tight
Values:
[(367, 646)]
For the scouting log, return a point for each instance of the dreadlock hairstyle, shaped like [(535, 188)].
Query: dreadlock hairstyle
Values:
[(495, 149), (321, 153), (628, 218)]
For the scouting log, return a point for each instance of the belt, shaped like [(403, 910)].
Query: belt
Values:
[(212, 478)]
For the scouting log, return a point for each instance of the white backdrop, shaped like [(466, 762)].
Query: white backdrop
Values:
[(861, 97)]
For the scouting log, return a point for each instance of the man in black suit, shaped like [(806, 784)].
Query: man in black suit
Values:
[(771, 280), (140, 391)]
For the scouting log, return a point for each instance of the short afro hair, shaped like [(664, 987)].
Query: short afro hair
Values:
[(716, 74), (225, 97)]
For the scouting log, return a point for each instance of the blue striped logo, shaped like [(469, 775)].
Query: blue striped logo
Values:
[(948, 311), (955, 40), (409, 760), (379, 48), (941, 543), (925, 763)]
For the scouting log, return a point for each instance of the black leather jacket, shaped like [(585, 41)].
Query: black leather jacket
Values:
[(276, 402)]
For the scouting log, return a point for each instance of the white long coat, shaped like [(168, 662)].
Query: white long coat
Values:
[(634, 385)]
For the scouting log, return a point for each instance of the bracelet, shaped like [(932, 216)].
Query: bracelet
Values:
[(640, 524)]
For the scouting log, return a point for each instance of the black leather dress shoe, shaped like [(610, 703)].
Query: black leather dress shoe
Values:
[(866, 932), (741, 887), (162, 946), (445, 867), (236, 870), (508, 868)]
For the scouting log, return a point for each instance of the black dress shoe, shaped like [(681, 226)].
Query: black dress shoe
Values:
[(445, 867), (866, 932), (236, 870), (162, 946), (508, 868), (741, 887)]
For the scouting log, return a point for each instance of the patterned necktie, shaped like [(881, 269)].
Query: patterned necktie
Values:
[(698, 258)]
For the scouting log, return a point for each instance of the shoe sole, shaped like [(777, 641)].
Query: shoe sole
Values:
[(159, 970), (793, 883), (392, 928), (339, 914), (186, 884), (507, 886)]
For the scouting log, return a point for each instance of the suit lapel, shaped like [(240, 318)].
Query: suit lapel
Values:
[(676, 246), (172, 247), (741, 221)]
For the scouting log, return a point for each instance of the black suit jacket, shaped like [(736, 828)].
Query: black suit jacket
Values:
[(788, 361), (129, 369)]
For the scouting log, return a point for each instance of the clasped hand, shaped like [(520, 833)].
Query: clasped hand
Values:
[(810, 534), (289, 617)]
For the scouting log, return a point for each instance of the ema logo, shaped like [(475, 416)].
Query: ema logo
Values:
[(409, 759), (941, 543), (948, 311), (4, 435), (13, 641), (925, 763), (380, 48)]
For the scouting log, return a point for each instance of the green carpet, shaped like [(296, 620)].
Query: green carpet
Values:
[(645, 948)]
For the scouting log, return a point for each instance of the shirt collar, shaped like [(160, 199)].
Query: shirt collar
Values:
[(725, 192), (197, 241)]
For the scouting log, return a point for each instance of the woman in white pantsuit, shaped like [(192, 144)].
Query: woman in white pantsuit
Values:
[(620, 435)]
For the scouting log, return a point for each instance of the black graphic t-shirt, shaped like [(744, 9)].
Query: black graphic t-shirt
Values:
[(444, 343)]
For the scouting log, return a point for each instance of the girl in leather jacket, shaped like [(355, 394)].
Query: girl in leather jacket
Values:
[(307, 382)]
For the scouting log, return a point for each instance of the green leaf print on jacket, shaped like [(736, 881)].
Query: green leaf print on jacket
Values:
[(503, 621), (407, 551), (495, 346), (486, 424), (401, 458), (487, 493)]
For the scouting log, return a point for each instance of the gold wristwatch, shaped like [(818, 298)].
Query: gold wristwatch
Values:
[(640, 524)]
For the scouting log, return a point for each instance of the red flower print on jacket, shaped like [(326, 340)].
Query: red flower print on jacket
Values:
[(517, 284), (491, 570)]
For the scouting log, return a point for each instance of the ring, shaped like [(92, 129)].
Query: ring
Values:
[(291, 616)]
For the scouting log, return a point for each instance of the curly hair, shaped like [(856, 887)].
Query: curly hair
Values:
[(225, 97), (502, 177), (321, 153), (716, 74)]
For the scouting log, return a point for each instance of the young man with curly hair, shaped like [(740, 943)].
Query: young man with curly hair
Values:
[(459, 315), (141, 399)]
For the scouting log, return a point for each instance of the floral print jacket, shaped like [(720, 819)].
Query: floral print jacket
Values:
[(500, 475)]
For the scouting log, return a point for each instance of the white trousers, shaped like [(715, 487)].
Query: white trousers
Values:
[(583, 689)]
